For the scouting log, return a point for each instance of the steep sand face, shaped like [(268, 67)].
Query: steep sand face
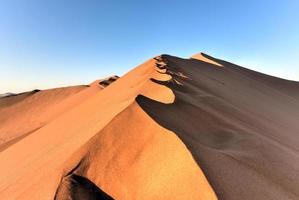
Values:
[(135, 158), (130, 158), (166, 130), (240, 126)]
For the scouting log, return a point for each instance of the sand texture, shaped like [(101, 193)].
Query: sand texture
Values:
[(171, 128)]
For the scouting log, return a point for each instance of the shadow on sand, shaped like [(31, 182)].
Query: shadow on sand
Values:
[(231, 146), (75, 187)]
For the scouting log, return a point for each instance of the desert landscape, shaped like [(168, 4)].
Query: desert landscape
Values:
[(171, 128)]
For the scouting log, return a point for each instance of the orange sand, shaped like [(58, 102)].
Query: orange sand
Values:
[(171, 128), (201, 57), (118, 146)]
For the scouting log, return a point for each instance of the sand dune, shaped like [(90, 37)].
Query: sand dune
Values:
[(6, 94), (23, 114), (6, 101), (171, 128), (241, 128), (205, 58)]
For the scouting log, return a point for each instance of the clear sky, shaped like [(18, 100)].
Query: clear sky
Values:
[(51, 43)]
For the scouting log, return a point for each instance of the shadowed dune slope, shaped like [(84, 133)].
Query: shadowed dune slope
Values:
[(105, 146), (172, 128), (78, 187), (135, 158), (287, 87), (240, 126)]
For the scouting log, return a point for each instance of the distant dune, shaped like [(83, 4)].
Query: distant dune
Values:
[(172, 128), (6, 95)]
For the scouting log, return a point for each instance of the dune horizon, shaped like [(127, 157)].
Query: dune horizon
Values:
[(172, 128), (200, 56)]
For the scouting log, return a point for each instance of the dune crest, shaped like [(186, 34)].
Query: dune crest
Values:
[(102, 140), (204, 58), (171, 128), (240, 126)]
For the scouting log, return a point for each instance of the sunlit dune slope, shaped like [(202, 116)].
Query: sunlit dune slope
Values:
[(22, 114), (135, 158), (105, 146), (172, 128)]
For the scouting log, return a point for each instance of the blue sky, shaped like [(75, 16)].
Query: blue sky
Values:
[(52, 43)]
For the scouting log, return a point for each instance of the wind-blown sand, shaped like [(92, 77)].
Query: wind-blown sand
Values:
[(172, 128)]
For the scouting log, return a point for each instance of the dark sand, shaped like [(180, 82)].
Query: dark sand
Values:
[(241, 126), (169, 129)]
